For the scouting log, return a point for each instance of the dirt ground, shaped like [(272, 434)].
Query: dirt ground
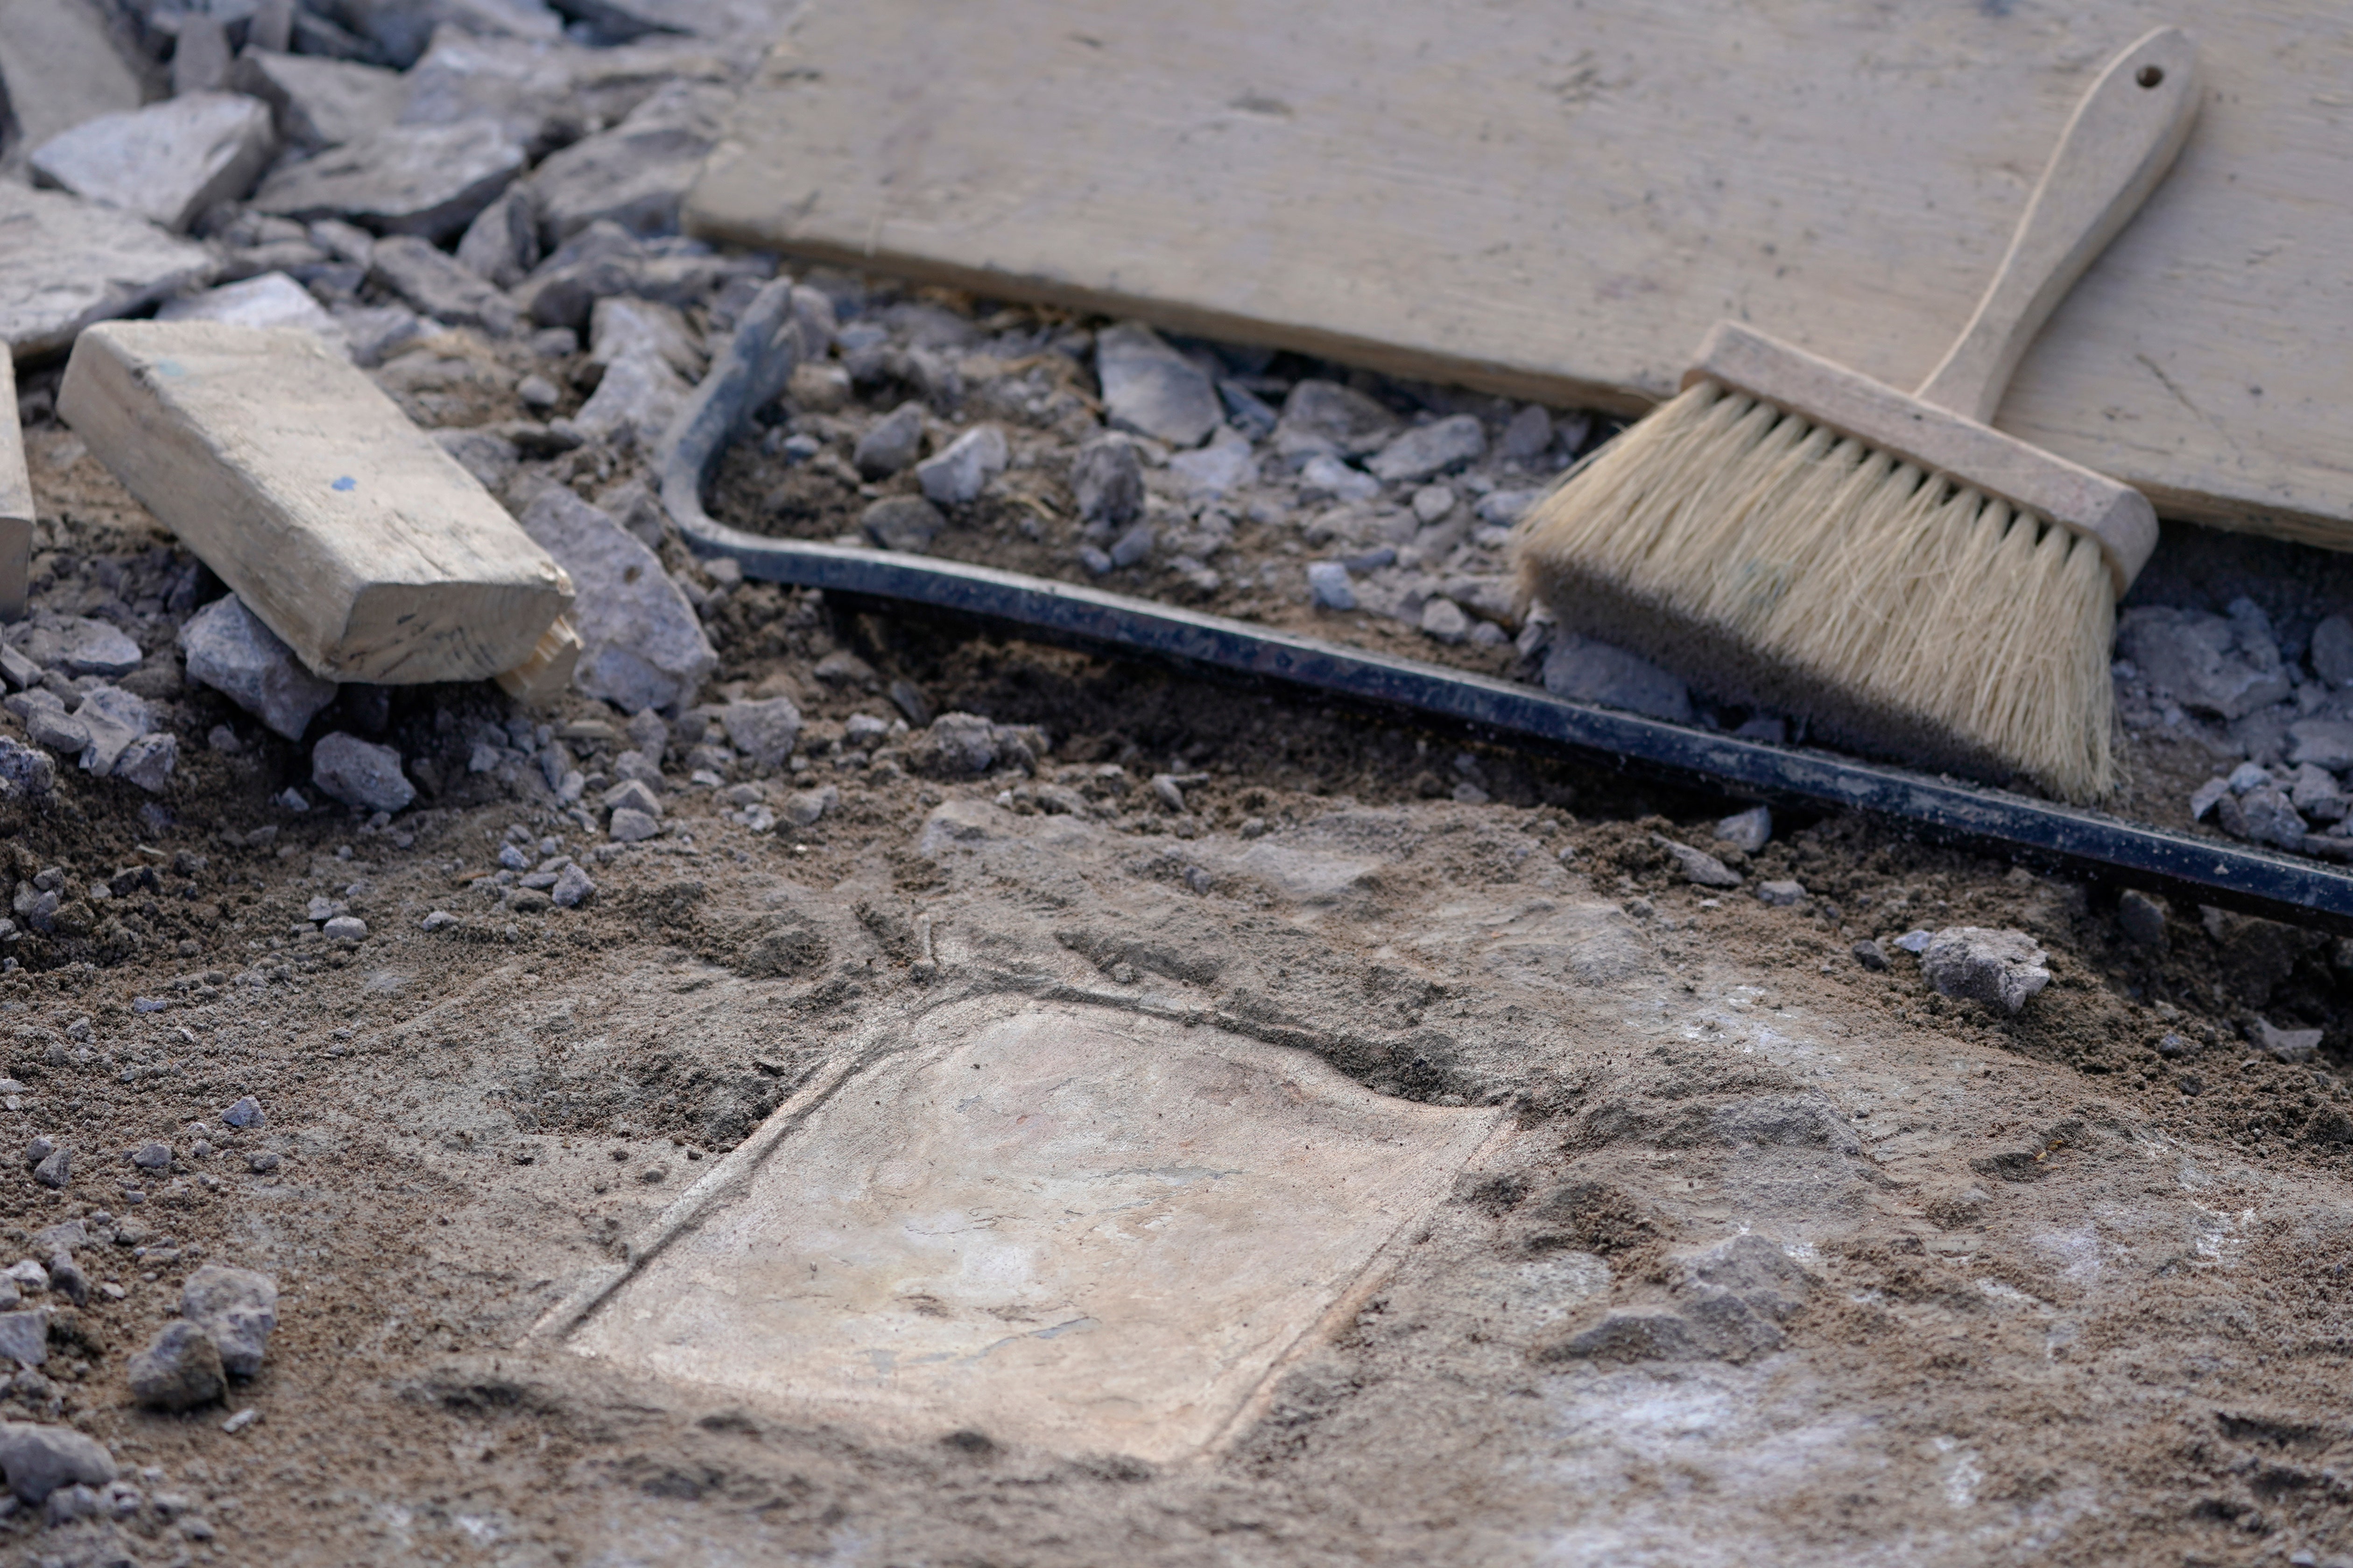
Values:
[(2064, 1287)]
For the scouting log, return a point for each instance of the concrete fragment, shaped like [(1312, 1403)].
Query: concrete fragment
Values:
[(238, 1308), (358, 773), (902, 523), (401, 30), (892, 443), (1697, 865), (1328, 587), (2262, 815), (1133, 546), (113, 718), (630, 826), (2292, 1046), (1442, 620), (642, 646), (433, 282), (572, 888), (1151, 389), (1433, 448), (501, 245), (2000, 968), (637, 794), (1225, 462), (25, 1336), (66, 263), (2141, 917), (74, 645), (2331, 651), (316, 103), (200, 55), (1580, 670), (955, 477), (1329, 476), (58, 68), (271, 300), (179, 1369), (229, 649), (167, 162), (636, 173), (427, 180), (344, 527), (2209, 664), (803, 807), (624, 327), (1107, 481), (545, 95), (489, 456), (763, 730), (1324, 418), (149, 762), (39, 1458), (2321, 742), (1746, 831)]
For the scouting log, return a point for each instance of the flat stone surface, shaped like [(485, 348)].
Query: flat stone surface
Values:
[(427, 180), (273, 299), (66, 263), (1060, 1225), (1151, 389), (317, 103), (439, 286), (167, 162)]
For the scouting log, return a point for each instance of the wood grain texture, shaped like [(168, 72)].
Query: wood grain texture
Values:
[(346, 528), (16, 501), (1558, 202)]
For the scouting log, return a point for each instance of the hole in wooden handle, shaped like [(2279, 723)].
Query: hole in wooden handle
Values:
[(2150, 76)]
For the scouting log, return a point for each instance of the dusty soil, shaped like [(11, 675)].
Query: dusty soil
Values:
[(2048, 1292)]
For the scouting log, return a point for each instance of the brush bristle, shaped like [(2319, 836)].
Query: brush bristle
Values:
[(1784, 566)]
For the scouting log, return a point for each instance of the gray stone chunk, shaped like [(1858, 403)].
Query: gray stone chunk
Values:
[(1328, 587), (956, 745), (1107, 482), (1444, 620), (244, 1114), (1780, 894), (433, 282), (1432, 449), (763, 730), (427, 180), (2212, 665), (634, 795), (74, 645), (1324, 418), (1697, 865), (317, 103), (485, 454), (114, 719), (59, 69), (179, 1369), (636, 173), (642, 646), (167, 162), (892, 443), (1999, 968), (39, 1459), (2288, 1045), (630, 826), (2316, 793), (358, 773), (1746, 831), (57, 730), (200, 55), (2331, 653), (2325, 743), (25, 1336), (1580, 670), (2263, 815), (66, 263), (1152, 390), (803, 807), (270, 300), (501, 245), (230, 650), (572, 888), (55, 1169), (1133, 546), (957, 476), (909, 523), (2142, 918), (1528, 434), (150, 762), (238, 1308), (344, 928)]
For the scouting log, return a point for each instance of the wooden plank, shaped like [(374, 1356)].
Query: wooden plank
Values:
[(347, 529), (16, 501), (1559, 202)]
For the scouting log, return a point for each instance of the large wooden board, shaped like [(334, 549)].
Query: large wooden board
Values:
[(1557, 201)]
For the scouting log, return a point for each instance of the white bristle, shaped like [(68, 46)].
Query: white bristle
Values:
[(1779, 564)]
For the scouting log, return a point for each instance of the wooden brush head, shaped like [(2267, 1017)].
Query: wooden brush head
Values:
[(2116, 518)]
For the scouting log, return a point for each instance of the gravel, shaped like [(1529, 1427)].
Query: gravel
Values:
[(2000, 968), (179, 1369), (360, 773)]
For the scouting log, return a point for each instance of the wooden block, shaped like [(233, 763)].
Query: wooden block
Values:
[(16, 500), (543, 677), (346, 529), (1558, 204)]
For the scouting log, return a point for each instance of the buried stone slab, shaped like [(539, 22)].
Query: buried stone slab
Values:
[(1090, 1230)]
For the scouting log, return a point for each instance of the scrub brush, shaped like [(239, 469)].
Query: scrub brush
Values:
[(1791, 535)]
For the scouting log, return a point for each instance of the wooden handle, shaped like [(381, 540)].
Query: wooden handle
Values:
[(2123, 138)]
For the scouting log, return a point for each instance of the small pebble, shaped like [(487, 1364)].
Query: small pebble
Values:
[(1871, 955), (244, 1113), (1779, 894)]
